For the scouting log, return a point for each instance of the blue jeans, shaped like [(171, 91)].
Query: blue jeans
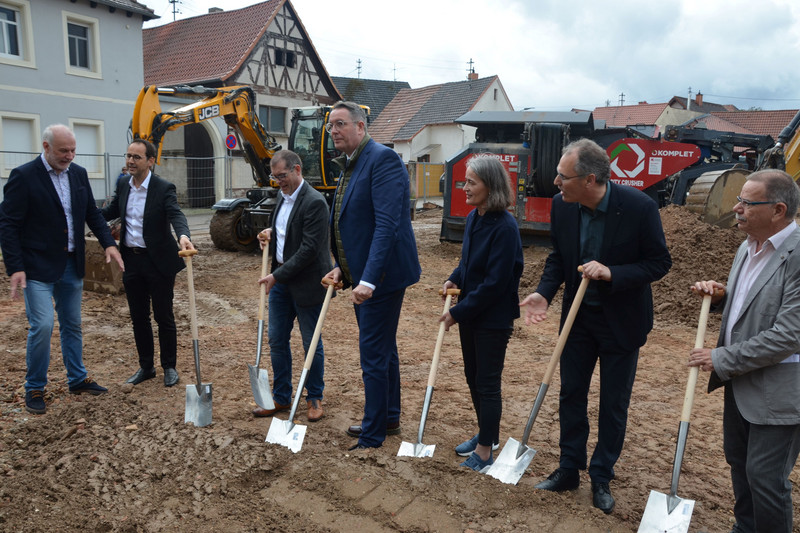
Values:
[(282, 312), (39, 297)]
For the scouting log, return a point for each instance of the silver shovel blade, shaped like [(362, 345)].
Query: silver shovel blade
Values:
[(512, 462), (259, 383), (657, 518), (408, 449), (286, 433), (198, 405)]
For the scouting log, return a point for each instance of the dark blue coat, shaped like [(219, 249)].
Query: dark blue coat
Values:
[(489, 271)]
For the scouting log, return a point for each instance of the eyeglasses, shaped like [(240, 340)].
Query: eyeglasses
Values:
[(562, 177), (748, 203), (135, 157), (278, 177), (339, 124)]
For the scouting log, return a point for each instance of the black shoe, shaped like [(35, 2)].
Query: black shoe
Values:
[(141, 375), (170, 377), (357, 447), (34, 402), (88, 385), (560, 480), (392, 428), (602, 498)]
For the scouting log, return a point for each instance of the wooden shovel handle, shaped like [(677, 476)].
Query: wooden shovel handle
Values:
[(440, 337), (691, 383), (187, 257), (187, 253), (263, 286), (562, 338)]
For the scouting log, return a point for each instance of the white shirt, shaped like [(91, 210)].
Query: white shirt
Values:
[(751, 267), (61, 183), (134, 213), (282, 220)]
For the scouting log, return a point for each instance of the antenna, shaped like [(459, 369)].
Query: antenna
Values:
[(621, 99), (359, 68), (175, 10)]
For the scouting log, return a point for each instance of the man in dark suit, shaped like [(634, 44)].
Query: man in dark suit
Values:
[(147, 206), (45, 206), (298, 245), (757, 358), (615, 233), (375, 253)]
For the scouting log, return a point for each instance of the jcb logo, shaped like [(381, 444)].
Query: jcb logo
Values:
[(208, 112)]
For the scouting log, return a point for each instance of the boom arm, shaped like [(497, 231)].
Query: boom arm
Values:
[(235, 104)]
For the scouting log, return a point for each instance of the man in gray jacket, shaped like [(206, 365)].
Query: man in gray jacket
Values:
[(298, 245), (756, 359)]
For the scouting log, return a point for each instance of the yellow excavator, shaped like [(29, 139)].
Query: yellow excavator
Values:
[(785, 155), (237, 221)]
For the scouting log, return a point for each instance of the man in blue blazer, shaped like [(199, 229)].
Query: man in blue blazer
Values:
[(757, 358), (375, 253), (147, 206), (45, 206), (615, 233)]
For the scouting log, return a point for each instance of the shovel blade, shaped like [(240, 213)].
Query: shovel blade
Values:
[(286, 433), (259, 384), (198, 405), (512, 462), (657, 517), (408, 449)]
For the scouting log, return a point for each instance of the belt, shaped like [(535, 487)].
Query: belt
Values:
[(136, 249)]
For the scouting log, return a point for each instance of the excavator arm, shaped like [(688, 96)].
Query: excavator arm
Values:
[(235, 104)]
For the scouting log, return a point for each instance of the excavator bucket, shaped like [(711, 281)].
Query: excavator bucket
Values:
[(713, 196)]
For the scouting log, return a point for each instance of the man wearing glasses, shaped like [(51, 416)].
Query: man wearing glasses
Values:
[(46, 204), (147, 206), (375, 253), (757, 358), (614, 232), (298, 246)]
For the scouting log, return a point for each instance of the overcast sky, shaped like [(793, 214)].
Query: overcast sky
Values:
[(560, 54)]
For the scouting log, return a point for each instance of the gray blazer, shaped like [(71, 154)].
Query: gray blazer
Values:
[(306, 251), (767, 332)]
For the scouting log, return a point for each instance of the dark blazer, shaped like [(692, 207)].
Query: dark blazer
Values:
[(33, 225), (633, 248), (375, 222), (306, 252), (489, 271), (161, 211)]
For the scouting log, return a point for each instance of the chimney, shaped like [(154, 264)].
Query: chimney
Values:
[(699, 98), (472, 76), (215, 10)]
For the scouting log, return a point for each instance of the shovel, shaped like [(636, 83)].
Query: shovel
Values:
[(286, 432), (669, 512), (426, 450), (259, 377), (515, 457), (198, 396)]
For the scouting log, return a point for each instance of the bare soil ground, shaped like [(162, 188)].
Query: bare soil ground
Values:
[(126, 462)]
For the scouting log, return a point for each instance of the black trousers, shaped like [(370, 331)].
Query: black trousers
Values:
[(484, 353), (144, 284), (590, 341)]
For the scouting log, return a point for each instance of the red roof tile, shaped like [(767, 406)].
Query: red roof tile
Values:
[(629, 115), (394, 116), (761, 122), (208, 47)]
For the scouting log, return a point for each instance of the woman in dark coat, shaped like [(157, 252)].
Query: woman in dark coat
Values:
[(488, 276)]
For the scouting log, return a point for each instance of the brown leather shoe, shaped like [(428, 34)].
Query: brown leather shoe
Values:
[(314, 410), (263, 413), (392, 428)]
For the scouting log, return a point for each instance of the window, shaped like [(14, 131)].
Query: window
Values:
[(90, 148), (285, 58), (19, 140), (272, 118), (82, 45), (78, 37), (16, 45)]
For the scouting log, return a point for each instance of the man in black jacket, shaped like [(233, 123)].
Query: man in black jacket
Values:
[(147, 206)]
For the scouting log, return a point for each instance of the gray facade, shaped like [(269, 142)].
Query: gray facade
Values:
[(76, 63)]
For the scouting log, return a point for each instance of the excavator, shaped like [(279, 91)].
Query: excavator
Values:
[(237, 221)]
